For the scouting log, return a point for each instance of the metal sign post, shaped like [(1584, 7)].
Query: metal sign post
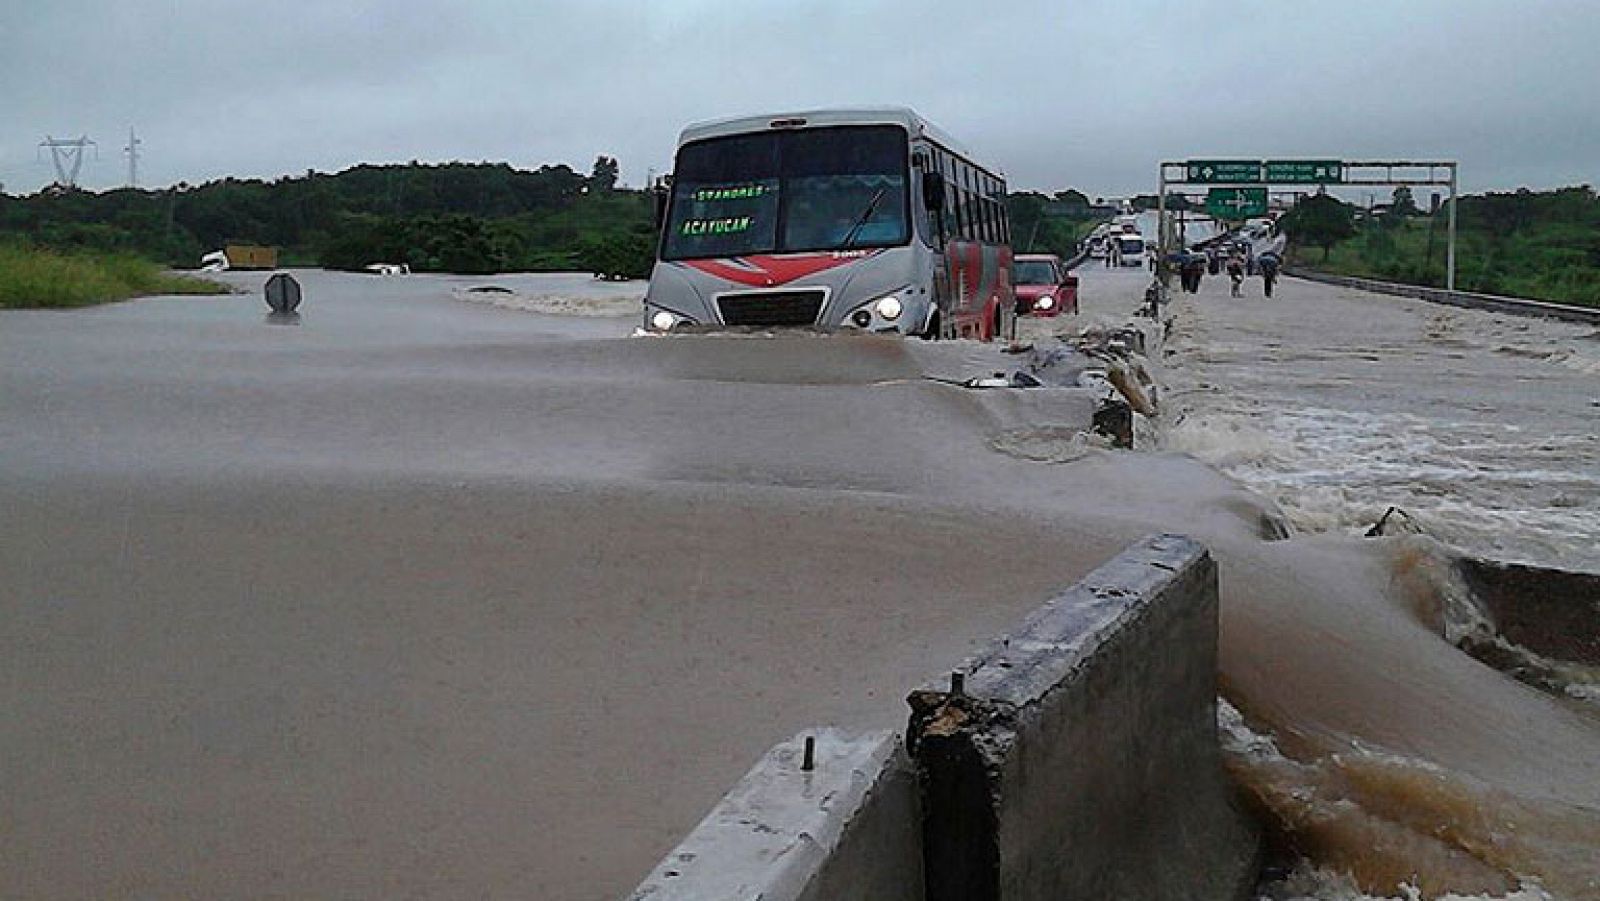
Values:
[(1162, 274), (1450, 246)]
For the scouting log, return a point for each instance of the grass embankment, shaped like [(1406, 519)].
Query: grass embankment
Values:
[(1552, 261), (32, 277)]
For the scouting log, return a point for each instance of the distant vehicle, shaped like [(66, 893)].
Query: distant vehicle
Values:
[(215, 261), (251, 256), (1043, 286), (832, 219), (389, 268), (1128, 249), (1098, 248)]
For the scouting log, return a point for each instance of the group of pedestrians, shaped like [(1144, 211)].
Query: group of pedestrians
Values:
[(1192, 266)]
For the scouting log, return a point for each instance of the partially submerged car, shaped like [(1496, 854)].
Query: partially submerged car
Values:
[(1043, 285)]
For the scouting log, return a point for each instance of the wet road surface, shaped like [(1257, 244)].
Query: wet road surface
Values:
[(425, 597)]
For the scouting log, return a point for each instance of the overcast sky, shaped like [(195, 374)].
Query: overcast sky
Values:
[(1056, 93)]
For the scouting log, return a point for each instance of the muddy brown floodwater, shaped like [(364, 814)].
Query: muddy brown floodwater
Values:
[(423, 597)]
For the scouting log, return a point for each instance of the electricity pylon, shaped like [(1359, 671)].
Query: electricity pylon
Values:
[(132, 153), (68, 157)]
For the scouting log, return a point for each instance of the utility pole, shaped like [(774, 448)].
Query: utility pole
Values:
[(132, 151), (67, 155)]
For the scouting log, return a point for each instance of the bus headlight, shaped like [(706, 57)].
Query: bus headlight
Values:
[(888, 308), (663, 321), (1045, 302)]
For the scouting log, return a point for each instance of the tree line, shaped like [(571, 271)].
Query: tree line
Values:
[(1543, 245), (450, 217)]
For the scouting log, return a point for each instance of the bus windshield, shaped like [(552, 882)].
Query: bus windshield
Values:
[(789, 191)]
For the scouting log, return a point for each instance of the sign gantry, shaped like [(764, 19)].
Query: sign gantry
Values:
[(1239, 187)]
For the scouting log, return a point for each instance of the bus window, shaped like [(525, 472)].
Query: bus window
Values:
[(843, 188), (725, 198), (840, 188)]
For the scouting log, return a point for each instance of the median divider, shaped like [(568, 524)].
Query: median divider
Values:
[(1074, 758), (1078, 756), (846, 827)]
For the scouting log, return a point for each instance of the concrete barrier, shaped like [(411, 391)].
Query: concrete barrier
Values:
[(1493, 303), (847, 828), (1077, 758)]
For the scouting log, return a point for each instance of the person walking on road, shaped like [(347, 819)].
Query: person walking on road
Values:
[(1268, 264), (1192, 267), (1236, 272)]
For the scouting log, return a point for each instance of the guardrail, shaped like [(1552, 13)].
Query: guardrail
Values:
[(1516, 306)]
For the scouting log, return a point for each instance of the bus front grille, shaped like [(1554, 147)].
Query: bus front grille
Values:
[(771, 308)]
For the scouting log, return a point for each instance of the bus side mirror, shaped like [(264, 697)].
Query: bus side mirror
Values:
[(659, 196), (933, 191)]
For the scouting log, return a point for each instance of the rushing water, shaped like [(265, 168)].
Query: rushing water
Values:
[(1339, 404)]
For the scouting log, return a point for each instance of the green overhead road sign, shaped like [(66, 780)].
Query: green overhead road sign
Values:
[(1305, 172), (1222, 171), (1236, 203)]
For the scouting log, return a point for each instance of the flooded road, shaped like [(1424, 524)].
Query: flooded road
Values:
[(1338, 404), (430, 597), (434, 596)]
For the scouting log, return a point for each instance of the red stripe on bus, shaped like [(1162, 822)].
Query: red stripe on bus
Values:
[(766, 271)]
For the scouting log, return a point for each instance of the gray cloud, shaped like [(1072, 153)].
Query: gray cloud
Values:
[(1056, 93)]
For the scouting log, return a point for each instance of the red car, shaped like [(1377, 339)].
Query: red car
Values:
[(1044, 286)]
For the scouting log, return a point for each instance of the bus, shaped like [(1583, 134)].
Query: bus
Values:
[(1128, 249), (870, 220)]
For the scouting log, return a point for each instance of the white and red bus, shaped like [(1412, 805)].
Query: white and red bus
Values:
[(832, 219)]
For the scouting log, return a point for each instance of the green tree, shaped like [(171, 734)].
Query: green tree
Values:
[(1320, 220), (1403, 204), (618, 257), (1073, 200), (1175, 201), (604, 175)]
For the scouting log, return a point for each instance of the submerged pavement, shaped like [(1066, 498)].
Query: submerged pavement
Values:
[(437, 598)]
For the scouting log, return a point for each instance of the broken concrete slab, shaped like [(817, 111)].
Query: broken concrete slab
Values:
[(1077, 757)]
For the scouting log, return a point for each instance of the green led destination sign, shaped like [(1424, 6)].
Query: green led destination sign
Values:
[(728, 226), (736, 192)]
